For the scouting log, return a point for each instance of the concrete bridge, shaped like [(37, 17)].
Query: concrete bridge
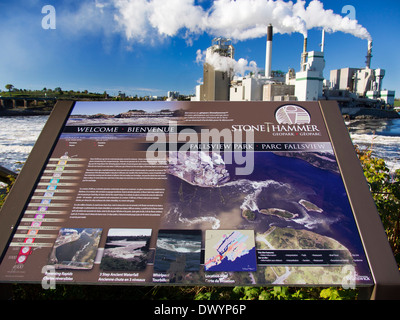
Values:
[(15, 102)]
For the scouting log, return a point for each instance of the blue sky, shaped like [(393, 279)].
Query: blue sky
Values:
[(116, 45)]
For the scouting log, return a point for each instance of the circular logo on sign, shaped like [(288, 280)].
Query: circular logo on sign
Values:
[(291, 114)]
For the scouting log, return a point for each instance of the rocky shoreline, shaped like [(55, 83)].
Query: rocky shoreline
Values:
[(368, 113), (15, 112)]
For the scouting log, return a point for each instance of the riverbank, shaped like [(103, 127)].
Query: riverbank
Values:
[(368, 113), (348, 113), (25, 111), (5, 175)]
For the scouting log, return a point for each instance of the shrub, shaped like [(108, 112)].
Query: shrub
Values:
[(385, 189)]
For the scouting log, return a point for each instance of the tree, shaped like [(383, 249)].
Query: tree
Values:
[(9, 87)]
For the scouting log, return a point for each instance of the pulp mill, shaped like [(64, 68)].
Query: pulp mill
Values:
[(352, 87)]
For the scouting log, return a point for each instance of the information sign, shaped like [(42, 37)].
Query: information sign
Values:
[(187, 193)]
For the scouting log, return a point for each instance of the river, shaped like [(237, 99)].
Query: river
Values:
[(19, 134), (381, 136), (17, 137)]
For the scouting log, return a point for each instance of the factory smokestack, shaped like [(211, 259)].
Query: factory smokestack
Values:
[(323, 41), (369, 54), (268, 53), (304, 55)]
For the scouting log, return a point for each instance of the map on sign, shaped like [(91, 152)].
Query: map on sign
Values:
[(230, 250)]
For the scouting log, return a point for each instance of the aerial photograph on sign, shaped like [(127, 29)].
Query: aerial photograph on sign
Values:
[(292, 201), (75, 248)]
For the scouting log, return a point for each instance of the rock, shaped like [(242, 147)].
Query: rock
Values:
[(369, 113)]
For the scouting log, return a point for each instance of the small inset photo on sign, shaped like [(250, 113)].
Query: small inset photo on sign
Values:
[(75, 248), (126, 250), (178, 251), (230, 250)]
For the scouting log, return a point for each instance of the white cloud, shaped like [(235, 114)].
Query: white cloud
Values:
[(133, 18), (168, 17), (90, 17), (239, 19), (151, 21)]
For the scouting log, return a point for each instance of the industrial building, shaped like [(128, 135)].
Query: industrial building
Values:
[(351, 87), (351, 83), (362, 83), (309, 80), (216, 83)]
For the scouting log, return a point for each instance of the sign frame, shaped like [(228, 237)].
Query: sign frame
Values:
[(379, 254), (376, 247)]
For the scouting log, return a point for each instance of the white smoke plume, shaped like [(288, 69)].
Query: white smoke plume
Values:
[(220, 63), (239, 20), (315, 16), (150, 21)]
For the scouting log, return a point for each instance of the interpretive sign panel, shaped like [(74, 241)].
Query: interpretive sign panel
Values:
[(215, 193)]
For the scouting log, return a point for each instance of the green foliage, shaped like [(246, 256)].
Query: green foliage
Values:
[(4, 196), (81, 292), (49, 93), (385, 189), (291, 293), (337, 294)]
